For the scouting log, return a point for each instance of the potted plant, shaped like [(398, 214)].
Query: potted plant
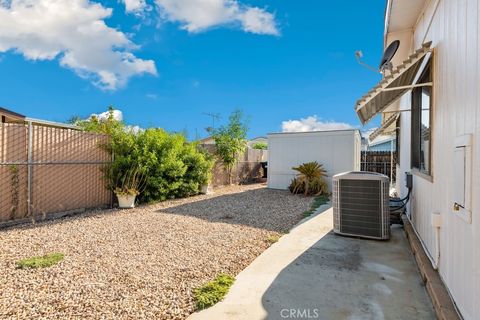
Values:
[(128, 185)]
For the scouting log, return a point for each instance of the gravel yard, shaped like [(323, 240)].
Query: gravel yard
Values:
[(141, 263)]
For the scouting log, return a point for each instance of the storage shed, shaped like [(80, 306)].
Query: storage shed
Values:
[(338, 151)]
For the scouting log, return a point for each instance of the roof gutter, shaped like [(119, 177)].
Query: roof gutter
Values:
[(388, 11)]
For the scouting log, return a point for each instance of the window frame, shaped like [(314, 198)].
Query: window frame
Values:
[(426, 76)]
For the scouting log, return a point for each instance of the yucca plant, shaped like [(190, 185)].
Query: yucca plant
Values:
[(310, 179)]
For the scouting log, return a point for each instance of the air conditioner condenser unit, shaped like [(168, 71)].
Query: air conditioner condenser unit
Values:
[(361, 205)]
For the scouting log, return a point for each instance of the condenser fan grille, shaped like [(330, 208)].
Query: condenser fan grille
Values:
[(361, 207)]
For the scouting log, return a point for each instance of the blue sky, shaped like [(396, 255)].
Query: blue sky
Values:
[(165, 62)]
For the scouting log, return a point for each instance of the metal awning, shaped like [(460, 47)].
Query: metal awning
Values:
[(392, 86), (387, 128)]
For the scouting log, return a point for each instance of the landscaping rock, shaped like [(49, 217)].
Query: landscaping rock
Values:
[(143, 262)]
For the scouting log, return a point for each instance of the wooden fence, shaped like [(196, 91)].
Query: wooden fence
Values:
[(380, 162), (47, 170), (247, 169)]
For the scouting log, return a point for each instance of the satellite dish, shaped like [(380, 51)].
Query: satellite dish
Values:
[(386, 63)]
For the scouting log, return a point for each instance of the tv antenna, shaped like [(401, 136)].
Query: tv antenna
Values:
[(214, 116), (359, 56)]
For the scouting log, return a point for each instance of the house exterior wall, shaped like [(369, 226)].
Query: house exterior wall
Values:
[(452, 26), (337, 151)]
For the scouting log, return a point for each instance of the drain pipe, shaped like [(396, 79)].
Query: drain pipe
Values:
[(437, 223)]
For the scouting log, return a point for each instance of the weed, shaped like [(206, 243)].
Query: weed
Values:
[(317, 202), (213, 291), (47, 260), (273, 238)]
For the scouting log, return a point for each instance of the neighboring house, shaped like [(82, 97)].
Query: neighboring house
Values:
[(207, 140), (8, 116), (379, 143), (382, 143), (431, 95), (256, 140)]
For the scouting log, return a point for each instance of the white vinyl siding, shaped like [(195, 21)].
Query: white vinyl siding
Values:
[(453, 27)]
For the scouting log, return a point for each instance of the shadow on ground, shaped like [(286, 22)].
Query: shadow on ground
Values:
[(273, 210), (349, 278)]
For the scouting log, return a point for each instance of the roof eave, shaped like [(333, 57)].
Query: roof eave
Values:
[(388, 10)]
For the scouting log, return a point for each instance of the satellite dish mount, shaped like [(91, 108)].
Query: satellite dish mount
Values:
[(386, 62)]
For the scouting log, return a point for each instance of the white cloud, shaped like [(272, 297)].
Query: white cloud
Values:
[(313, 123), (199, 15), (256, 20), (366, 133), (74, 31), (135, 5), (117, 115)]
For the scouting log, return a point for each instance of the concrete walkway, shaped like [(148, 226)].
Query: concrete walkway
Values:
[(312, 273)]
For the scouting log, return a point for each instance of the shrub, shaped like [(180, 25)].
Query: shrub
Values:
[(212, 292), (309, 180), (167, 166), (40, 262), (260, 146), (231, 141), (173, 167)]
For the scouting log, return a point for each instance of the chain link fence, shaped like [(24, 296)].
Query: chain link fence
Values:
[(46, 170)]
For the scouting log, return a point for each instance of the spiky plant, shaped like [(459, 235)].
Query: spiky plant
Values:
[(309, 179)]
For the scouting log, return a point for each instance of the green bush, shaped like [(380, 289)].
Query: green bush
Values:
[(171, 166), (212, 292), (260, 146), (231, 141)]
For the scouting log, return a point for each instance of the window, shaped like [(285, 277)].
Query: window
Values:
[(421, 123)]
